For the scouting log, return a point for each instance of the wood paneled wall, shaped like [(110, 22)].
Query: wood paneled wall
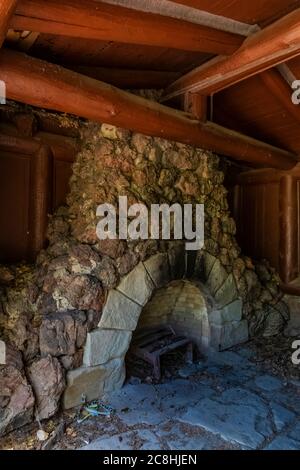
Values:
[(25, 199), (266, 207), (34, 181)]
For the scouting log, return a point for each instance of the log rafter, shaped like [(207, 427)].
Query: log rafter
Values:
[(102, 21), (263, 50), (7, 8), (49, 86)]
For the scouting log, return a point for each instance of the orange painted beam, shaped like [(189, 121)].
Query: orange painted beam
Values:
[(96, 20), (269, 47), (7, 8), (49, 86), (196, 105)]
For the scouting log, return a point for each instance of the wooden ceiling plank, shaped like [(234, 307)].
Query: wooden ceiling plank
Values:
[(97, 20), (187, 12), (67, 51), (257, 112), (7, 9), (252, 12), (265, 49), (49, 86), (128, 78), (281, 91)]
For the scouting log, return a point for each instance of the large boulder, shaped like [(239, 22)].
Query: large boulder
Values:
[(62, 333), (24, 336), (48, 383), (16, 399), (74, 292)]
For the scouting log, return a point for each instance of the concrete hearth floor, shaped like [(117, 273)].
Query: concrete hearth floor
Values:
[(226, 402)]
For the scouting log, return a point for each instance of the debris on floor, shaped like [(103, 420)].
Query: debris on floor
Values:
[(238, 399), (96, 408)]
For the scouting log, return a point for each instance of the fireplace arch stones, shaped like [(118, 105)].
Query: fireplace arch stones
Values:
[(220, 320)]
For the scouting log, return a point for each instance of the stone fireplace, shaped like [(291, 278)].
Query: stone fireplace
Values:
[(210, 315), (68, 320)]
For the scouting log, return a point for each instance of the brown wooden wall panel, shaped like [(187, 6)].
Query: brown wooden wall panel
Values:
[(270, 224), (21, 214), (258, 221), (15, 202), (266, 207), (25, 191), (64, 150), (61, 177), (35, 168)]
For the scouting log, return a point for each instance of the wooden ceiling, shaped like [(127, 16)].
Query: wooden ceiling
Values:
[(250, 108), (247, 11), (89, 52), (148, 44)]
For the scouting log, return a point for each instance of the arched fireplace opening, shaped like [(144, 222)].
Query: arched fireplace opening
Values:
[(172, 330), (215, 323)]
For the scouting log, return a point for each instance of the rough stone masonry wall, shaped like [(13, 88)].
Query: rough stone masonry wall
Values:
[(47, 310)]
